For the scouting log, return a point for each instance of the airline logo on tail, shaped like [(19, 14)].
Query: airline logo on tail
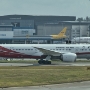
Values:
[(60, 35)]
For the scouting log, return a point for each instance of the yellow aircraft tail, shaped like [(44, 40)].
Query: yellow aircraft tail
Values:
[(62, 32)]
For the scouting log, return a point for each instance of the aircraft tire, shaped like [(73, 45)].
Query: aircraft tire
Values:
[(40, 61), (44, 62), (49, 62)]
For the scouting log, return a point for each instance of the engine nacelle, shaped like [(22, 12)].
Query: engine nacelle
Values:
[(68, 57)]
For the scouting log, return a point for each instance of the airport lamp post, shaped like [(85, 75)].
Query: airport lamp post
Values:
[(27, 36), (79, 31), (89, 30), (44, 29)]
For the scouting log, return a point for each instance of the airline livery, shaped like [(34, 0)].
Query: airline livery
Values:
[(65, 52), (60, 35)]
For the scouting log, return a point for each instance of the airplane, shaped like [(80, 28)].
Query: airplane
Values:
[(60, 35), (81, 40), (46, 52)]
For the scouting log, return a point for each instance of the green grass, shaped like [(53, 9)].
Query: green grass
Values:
[(11, 76)]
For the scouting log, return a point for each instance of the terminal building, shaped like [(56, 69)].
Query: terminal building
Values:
[(22, 28)]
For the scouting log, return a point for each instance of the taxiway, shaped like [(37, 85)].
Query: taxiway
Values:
[(66, 86), (36, 64)]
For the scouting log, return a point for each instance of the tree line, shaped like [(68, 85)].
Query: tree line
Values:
[(83, 19)]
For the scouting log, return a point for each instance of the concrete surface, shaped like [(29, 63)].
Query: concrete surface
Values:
[(67, 86), (59, 64)]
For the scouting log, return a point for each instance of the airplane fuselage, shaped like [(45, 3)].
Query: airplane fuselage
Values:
[(81, 40), (58, 37), (28, 50)]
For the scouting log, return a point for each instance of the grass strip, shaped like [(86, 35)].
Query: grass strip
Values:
[(11, 76)]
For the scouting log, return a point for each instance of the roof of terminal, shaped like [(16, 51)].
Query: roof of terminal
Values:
[(26, 38), (38, 18)]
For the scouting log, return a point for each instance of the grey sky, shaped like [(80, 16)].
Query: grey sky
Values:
[(78, 8)]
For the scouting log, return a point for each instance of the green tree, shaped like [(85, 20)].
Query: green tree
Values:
[(80, 19)]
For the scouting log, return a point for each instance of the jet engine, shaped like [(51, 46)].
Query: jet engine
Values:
[(68, 57)]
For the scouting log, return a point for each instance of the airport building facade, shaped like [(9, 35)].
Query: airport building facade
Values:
[(20, 28)]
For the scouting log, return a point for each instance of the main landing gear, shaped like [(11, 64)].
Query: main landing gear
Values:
[(44, 62), (41, 61)]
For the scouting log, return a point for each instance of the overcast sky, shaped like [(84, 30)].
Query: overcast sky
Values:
[(78, 8)]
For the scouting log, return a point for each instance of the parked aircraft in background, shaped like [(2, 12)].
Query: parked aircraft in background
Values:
[(64, 52), (60, 35), (81, 40)]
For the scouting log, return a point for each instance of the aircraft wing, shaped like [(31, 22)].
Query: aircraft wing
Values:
[(49, 52)]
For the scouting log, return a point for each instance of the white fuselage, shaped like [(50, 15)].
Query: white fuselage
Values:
[(28, 50), (81, 40)]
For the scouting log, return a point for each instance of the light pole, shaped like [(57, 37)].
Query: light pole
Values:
[(89, 30), (15, 24), (27, 36), (44, 29), (79, 31)]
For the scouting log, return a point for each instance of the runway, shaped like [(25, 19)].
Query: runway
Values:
[(66, 86), (15, 64), (36, 64)]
